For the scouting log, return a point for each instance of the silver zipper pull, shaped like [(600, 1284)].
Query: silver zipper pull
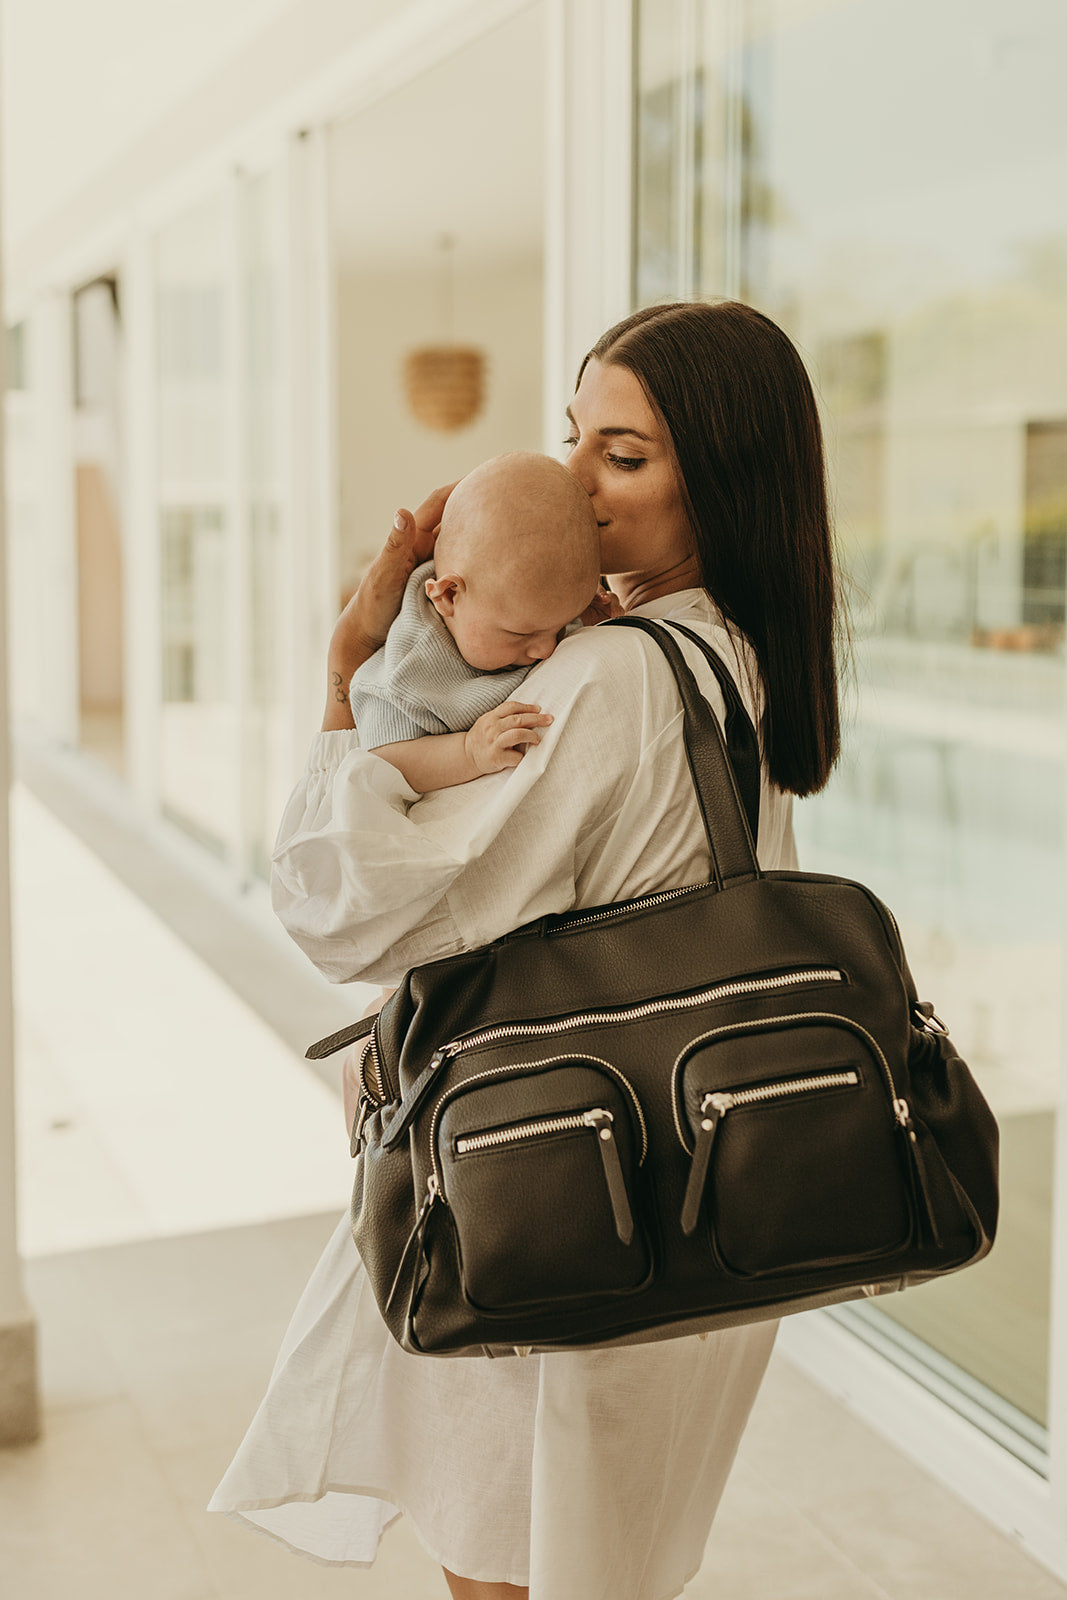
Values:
[(902, 1111), (601, 1123), (407, 1271), (713, 1108), (362, 1114)]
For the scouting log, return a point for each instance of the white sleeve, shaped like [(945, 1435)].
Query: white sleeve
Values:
[(370, 879)]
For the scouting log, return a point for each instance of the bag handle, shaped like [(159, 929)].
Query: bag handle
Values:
[(730, 844), (742, 745)]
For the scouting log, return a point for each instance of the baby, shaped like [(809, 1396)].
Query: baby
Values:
[(516, 560)]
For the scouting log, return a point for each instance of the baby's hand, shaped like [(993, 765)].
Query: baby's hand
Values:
[(500, 738), (603, 605)]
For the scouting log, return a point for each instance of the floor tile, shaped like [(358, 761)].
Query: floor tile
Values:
[(807, 1445), (761, 1546), (86, 1513), (924, 1544), (75, 1361)]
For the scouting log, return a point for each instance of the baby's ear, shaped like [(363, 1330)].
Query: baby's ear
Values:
[(443, 593)]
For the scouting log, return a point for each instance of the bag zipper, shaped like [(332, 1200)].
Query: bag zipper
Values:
[(371, 1093), (640, 904), (599, 1120), (715, 1105), (530, 1066), (724, 1100), (648, 1008), (370, 1060), (729, 989), (530, 1130), (901, 1110)]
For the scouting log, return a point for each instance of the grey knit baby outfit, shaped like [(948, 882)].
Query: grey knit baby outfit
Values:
[(418, 682)]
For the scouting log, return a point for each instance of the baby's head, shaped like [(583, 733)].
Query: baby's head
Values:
[(517, 558)]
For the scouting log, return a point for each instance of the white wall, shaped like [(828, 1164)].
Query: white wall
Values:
[(117, 103), (387, 458)]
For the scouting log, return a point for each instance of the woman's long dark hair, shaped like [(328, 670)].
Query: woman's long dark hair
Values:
[(738, 407)]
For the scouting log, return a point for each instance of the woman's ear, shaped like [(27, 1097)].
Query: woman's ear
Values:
[(444, 592)]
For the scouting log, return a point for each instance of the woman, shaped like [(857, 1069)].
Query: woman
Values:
[(581, 1475)]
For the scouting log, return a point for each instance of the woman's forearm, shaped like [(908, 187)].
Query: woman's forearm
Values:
[(338, 712)]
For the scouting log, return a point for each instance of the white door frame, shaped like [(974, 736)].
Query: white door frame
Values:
[(587, 186)]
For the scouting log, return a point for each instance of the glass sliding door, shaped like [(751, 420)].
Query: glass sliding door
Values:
[(199, 714), (885, 178), (226, 636), (266, 774)]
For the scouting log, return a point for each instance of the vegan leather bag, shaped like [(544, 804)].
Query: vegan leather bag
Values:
[(702, 1107)]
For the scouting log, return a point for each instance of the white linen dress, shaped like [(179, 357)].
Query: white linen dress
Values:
[(588, 1475)]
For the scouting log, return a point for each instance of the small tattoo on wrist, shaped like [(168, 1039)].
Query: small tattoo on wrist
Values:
[(340, 692)]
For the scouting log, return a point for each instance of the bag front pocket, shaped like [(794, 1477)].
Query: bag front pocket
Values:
[(538, 1164), (797, 1167)]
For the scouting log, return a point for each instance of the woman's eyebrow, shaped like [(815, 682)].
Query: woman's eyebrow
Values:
[(614, 433)]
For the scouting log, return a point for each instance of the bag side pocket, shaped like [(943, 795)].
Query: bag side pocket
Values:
[(539, 1167)]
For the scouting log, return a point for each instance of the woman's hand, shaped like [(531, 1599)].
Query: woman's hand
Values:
[(363, 624), (501, 737)]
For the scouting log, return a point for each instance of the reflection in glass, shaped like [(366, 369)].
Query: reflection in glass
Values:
[(885, 182)]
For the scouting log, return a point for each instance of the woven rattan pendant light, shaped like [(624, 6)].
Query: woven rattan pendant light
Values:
[(445, 383)]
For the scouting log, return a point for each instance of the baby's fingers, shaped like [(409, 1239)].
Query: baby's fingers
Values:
[(515, 712), (514, 743), (529, 717)]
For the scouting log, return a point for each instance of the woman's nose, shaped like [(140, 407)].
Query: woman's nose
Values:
[(578, 463)]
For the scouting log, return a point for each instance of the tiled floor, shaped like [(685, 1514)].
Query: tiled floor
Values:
[(155, 1354), (162, 1289)]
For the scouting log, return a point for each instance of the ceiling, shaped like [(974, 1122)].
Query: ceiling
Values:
[(81, 83), (458, 151)]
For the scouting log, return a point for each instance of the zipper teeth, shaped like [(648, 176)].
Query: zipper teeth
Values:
[(650, 1008), (772, 1022), (631, 905), (532, 1066), (529, 1130), (771, 1091), (370, 1070)]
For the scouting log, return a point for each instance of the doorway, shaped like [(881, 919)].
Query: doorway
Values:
[(98, 521), (437, 222)]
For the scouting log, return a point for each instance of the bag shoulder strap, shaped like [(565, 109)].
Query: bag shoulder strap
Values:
[(730, 842), (742, 745)]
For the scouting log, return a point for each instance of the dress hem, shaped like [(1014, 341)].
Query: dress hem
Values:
[(237, 1513)]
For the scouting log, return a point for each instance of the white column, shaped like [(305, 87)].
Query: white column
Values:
[(19, 1400), (311, 496), (589, 185), (1057, 1392)]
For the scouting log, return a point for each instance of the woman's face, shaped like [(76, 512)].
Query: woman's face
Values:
[(622, 458)]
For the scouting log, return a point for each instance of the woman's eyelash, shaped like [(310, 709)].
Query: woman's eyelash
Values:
[(628, 463)]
